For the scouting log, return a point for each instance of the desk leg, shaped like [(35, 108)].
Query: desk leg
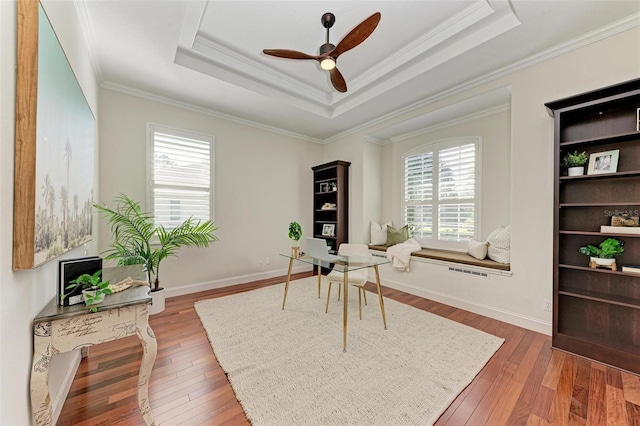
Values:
[(150, 349), (384, 317), (40, 398), (344, 310), (319, 278), (286, 286)]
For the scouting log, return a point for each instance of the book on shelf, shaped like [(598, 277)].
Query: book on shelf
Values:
[(620, 229), (69, 270), (634, 269)]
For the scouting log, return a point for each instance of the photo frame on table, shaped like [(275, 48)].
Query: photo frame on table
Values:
[(54, 147), (328, 230), (603, 162)]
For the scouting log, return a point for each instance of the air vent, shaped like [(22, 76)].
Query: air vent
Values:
[(470, 272)]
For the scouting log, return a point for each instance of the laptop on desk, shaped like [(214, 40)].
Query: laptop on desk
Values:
[(317, 247)]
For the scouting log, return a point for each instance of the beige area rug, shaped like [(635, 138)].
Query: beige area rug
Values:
[(287, 367)]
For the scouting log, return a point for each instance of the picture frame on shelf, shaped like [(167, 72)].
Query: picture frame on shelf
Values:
[(603, 162), (328, 230), (324, 187)]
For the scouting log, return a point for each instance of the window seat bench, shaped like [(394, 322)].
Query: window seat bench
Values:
[(452, 256)]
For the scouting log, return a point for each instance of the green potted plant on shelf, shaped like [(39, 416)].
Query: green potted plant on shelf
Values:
[(574, 162), (295, 233), (138, 240), (604, 254), (93, 289)]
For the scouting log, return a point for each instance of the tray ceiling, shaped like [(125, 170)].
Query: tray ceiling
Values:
[(207, 55)]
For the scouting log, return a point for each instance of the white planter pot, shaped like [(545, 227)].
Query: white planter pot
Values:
[(575, 171), (602, 262), (91, 293), (157, 301)]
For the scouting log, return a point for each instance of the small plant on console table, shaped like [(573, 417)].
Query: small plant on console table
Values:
[(604, 254), (574, 162), (93, 289), (295, 233)]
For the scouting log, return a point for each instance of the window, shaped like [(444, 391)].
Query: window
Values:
[(181, 171), (441, 192)]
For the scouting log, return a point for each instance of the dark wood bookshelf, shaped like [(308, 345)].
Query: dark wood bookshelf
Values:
[(324, 176), (596, 311)]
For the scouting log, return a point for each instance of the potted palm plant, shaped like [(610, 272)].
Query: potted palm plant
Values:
[(295, 233), (93, 289), (134, 240)]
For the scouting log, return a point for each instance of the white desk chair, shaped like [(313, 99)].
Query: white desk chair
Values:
[(357, 278)]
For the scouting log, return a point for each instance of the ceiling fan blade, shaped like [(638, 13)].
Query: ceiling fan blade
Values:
[(338, 80), (357, 35), (288, 54)]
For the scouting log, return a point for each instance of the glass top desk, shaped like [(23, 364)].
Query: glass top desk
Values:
[(344, 265)]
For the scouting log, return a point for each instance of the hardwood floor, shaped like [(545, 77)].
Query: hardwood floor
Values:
[(525, 383)]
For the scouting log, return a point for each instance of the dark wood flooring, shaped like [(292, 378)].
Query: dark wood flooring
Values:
[(525, 383)]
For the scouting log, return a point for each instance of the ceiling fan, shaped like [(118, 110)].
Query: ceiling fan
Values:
[(328, 54)]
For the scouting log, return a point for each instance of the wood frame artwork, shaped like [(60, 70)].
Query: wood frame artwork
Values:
[(55, 136)]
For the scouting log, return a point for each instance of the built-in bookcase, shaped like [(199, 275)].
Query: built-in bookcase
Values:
[(596, 312), (331, 202)]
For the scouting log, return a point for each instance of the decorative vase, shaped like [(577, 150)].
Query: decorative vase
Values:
[(295, 251), (91, 293), (575, 171)]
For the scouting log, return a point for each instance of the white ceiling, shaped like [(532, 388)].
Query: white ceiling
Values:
[(207, 55)]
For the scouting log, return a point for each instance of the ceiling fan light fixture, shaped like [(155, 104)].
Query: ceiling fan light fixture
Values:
[(329, 53), (328, 63)]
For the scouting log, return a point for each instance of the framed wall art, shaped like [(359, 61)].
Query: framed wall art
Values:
[(54, 158)]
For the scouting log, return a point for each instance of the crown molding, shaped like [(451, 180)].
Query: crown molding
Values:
[(226, 56), (116, 87), (561, 49), (278, 88), (449, 123), (463, 31), (376, 140), (89, 37)]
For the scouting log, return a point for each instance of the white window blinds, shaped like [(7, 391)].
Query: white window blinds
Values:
[(181, 176), (440, 201)]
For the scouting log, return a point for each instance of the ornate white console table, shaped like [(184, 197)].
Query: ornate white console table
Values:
[(60, 329)]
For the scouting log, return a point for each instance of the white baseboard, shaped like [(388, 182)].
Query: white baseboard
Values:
[(210, 285), (514, 318)]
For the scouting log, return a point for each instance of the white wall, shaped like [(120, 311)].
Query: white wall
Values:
[(23, 294), (517, 299), (263, 181), (253, 211)]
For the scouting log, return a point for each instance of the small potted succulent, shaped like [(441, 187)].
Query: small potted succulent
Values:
[(295, 233), (605, 253), (94, 289), (574, 162)]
